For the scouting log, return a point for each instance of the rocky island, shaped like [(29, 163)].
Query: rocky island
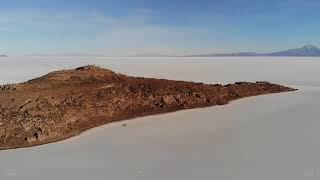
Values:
[(65, 103)]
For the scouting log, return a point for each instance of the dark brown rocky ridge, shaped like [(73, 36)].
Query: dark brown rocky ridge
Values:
[(65, 103)]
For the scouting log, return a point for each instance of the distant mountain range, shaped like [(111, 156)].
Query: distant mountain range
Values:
[(305, 51)]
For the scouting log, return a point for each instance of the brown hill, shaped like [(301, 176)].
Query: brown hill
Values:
[(65, 103)]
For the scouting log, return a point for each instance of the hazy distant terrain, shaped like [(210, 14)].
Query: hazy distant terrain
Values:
[(305, 51)]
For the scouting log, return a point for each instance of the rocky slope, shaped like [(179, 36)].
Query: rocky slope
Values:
[(65, 103)]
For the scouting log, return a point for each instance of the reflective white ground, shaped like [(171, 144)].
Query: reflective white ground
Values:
[(258, 138)]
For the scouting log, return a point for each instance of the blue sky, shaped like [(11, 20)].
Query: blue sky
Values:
[(128, 27)]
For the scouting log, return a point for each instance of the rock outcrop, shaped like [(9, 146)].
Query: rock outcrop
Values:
[(65, 103)]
